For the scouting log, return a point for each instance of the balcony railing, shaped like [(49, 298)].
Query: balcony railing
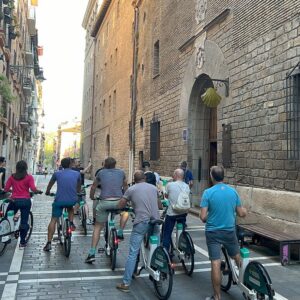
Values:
[(24, 120)]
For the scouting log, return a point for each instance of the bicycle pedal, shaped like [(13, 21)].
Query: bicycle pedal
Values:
[(101, 250)]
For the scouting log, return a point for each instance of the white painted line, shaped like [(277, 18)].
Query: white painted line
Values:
[(17, 260), (2, 282), (10, 289), (4, 274), (200, 250), (12, 277)]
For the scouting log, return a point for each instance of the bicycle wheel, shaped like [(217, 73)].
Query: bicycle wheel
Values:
[(256, 278), (83, 220), (67, 239), (4, 234), (30, 224), (160, 261), (113, 241), (226, 274), (186, 246)]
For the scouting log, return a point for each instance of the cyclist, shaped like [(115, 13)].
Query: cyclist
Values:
[(188, 175), (2, 171), (173, 189), (151, 177), (113, 182), (21, 182), (219, 206), (68, 185), (144, 198), (75, 165)]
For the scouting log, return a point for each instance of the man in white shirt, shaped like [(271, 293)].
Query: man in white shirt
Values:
[(173, 189)]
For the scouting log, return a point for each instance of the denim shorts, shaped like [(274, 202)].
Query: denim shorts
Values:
[(57, 207), (215, 239)]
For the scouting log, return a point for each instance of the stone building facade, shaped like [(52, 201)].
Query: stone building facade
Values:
[(249, 52), (22, 76), (107, 102)]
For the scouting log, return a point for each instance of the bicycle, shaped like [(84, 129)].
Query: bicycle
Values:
[(156, 262), (64, 231), (110, 236), (10, 224), (251, 277), (82, 208), (182, 244)]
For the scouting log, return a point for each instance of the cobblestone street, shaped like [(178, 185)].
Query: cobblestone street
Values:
[(34, 274)]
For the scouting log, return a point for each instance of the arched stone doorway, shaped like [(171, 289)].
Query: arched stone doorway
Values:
[(202, 146), (201, 121)]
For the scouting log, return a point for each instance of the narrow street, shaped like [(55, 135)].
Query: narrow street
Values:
[(34, 274)]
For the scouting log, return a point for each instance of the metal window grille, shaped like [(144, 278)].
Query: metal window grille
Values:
[(156, 59), (226, 146), (293, 113), (155, 141)]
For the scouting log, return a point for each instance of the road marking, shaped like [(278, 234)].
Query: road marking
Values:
[(201, 250), (10, 289)]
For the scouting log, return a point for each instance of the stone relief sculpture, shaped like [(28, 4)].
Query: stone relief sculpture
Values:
[(201, 6), (200, 51)]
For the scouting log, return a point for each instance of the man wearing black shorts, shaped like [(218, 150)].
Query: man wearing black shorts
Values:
[(219, 206)]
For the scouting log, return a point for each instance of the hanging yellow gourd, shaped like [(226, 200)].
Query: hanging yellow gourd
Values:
[(211, 98)]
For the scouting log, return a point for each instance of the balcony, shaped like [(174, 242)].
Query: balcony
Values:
[(31, 21), (27, 86), (29, 57), (24, 120)]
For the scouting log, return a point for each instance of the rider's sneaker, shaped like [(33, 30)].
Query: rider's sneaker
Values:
[(123, 287), (72, 226), (89, 222), (120, 236), (22, 246), (91, 258), (47, 247), (210, 298)]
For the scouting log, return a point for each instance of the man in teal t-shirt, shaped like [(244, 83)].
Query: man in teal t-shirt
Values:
[(219, 206)]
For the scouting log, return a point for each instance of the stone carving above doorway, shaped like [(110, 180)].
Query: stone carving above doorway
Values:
[(200, 51), (201, 6)]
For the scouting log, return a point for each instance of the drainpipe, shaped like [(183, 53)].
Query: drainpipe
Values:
[(93, 99), (134, 87)]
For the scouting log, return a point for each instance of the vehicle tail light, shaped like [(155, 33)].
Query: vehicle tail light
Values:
[(116, 241), (69, 230), (1, 214)]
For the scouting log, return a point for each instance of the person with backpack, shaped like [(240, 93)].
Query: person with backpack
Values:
[(151, 177), (177, 193)]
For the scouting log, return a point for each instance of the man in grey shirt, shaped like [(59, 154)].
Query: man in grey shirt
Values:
[(113, 182), (144, 199)]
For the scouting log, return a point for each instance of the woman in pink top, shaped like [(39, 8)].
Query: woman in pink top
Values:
[(21, 183)]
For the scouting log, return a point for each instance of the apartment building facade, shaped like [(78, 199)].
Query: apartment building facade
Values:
[(21, 77), (249, 54)]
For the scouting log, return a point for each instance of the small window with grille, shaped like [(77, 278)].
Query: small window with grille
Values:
[(156, 59), (226, 146), (154, 140), (293, 113)]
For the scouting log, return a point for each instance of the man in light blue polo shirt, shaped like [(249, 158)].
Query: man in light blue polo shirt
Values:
[(219, 206)]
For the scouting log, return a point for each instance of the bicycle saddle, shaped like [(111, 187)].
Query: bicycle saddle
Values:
[(156, 222)]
